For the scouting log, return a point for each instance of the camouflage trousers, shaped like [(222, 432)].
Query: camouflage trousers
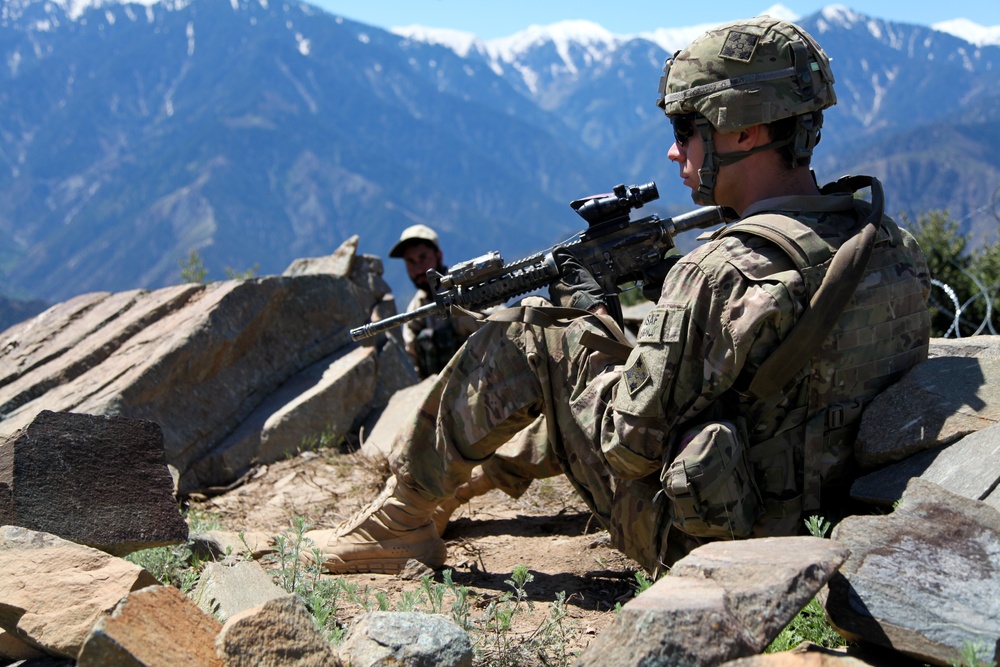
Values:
[(497, 385), (523, 459)]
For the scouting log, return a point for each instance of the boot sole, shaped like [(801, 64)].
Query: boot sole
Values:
[(433, 559)]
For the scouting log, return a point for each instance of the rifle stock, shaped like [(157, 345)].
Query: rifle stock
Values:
[(614, 248)]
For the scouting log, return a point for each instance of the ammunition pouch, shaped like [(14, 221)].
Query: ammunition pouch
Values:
[(710, 486)]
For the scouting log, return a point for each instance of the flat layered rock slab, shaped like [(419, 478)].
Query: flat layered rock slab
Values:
[(99, 481), (723, 601), (969, 468), (924, 580), (938, 402)]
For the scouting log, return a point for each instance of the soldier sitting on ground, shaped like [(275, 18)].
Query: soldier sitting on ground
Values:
[(735, 414)]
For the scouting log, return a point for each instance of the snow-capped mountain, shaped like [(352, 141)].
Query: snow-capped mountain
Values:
[(257, 132)]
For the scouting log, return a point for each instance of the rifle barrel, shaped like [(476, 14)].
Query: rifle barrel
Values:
[(375, 328)]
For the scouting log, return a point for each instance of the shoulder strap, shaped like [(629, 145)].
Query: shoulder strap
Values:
[(615, 344), (828, 302)]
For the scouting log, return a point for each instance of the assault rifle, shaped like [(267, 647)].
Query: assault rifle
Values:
[(614, 248)]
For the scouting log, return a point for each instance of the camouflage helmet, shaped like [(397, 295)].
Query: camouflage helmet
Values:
[(747, 73)]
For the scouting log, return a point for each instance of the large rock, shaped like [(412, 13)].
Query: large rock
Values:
[(406, 638), (969, 468), (154, 627), (401, 408), (924, 580), (99, 481), (325, 398), (69, 339), (278, 633), (225, 591), (936, 403), (53, 591), (723, 601), (198, 363)]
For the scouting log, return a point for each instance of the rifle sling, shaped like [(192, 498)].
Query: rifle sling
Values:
[(615, 345)]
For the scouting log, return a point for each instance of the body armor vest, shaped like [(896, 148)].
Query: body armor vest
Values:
[(801, 438)]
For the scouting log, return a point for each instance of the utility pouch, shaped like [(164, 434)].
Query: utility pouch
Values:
[(710, 485)]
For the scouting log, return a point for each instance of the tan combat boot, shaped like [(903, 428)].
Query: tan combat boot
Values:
[(476, 486), (381, 538)]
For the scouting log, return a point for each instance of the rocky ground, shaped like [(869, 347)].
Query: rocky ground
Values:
[(548, 530)]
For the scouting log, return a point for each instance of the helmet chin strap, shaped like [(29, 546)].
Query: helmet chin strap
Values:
[(713, 160)]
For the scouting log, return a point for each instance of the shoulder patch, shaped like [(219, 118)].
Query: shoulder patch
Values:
[(651, 327), (636, 375), (663, 324), (739, 46)]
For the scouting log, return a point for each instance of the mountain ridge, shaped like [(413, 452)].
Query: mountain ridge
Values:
[(256, 134)]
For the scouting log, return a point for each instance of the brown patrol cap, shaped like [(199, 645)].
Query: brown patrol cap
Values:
[(413, 234)]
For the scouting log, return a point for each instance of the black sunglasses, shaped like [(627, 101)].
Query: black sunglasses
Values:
[(684, 127)]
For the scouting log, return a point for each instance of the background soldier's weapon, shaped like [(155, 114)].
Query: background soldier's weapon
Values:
[(614, 248)]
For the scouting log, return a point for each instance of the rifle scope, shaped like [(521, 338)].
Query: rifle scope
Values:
[(604, 208)]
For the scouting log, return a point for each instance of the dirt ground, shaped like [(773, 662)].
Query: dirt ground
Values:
[(548, 530)]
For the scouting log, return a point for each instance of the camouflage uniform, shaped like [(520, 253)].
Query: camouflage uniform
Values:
[(675, 446), (723, 310), (431, 342)]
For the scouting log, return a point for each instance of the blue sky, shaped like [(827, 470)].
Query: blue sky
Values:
[(501, 18)]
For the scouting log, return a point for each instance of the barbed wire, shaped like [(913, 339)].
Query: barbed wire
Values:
[(955, 309)]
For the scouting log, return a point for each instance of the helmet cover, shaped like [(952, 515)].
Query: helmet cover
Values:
[(748, 72)]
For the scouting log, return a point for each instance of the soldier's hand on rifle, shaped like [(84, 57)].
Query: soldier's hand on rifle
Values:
[(576, 287), (653, 277)]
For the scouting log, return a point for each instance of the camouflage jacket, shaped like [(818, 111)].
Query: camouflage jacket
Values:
[(431, 341), (723, 310)]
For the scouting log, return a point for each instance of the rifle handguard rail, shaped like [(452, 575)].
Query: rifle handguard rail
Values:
[(614, 249)]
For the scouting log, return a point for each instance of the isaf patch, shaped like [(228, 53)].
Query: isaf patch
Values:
[(636, 375), (651, 327), (739, 46)]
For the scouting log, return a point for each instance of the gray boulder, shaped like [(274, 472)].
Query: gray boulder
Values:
[(723, 601), (406, 638), (224, 591), (924, 580), (99, 481), (954, 393), (969, 468)]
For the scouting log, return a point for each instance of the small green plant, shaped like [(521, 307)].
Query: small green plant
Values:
[(973, 654), (461, 607), (501, 645), (322, 440), (193, 268), (290, 548), (322, 602), (817, 526), (808, 625), (172, 566), (248, 274), (434, 592), (642, 582), (177, 565)]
